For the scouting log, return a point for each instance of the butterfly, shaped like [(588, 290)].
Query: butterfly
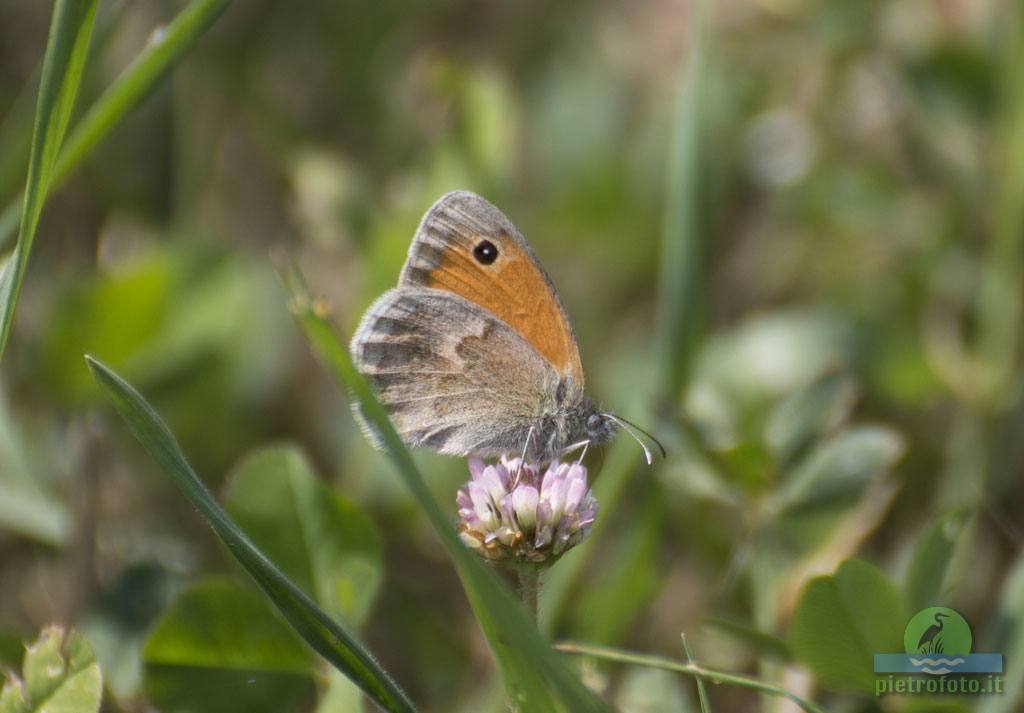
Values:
[(472, 353)]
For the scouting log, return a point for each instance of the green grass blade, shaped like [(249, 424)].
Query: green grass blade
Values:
[(66, 51), (535, 675), (608, 653), (681, 282), (702, 693), (322, 633), (171, 43), (135, 83)]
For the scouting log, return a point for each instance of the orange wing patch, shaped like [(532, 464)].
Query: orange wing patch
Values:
[(514, 287), (517, 292)]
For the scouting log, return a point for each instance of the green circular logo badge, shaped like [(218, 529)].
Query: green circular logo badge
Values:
[(937, 630)]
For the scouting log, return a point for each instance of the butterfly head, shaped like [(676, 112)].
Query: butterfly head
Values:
[(599, 427)]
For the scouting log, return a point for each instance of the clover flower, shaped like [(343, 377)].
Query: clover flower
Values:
[(511, 511)]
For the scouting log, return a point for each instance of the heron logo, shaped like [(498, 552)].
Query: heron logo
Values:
[(939, 639), (937, 642)]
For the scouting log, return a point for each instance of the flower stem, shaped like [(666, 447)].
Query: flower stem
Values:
[(612, 654), (529, 588)]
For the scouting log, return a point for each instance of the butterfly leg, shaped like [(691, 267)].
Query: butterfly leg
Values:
[(581, 444), (522, 460)]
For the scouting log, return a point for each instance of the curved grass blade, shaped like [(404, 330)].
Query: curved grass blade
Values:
[(324, 635), (536, 677), (66, 51), (169, 45)]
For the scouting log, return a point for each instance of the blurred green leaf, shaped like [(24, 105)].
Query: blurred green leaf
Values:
[(811, 412), (27, 506), (66, 51), (59, 675), (650, 690), (759, 642), (839, 468), (342, 696), (535, 677), (1008, 627), (748, 465), (559, 582), (32, 513), (219, 648), (322, 633), (324, 543), (117, 313), (842, 620), (929, 569), (121, 620), (628, 579)]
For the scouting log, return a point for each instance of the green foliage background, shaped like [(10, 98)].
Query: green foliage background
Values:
[(791, 244)]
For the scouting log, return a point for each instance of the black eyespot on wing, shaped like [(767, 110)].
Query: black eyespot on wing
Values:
[(485, 252)]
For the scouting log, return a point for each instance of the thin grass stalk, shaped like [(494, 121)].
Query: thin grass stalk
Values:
[(608, 653)]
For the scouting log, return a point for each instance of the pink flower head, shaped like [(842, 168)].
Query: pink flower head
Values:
[(510, 510)]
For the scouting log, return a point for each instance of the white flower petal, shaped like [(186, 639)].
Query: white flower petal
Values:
[(524, 502)]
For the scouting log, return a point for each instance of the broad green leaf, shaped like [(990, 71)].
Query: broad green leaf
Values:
[(809, 413), (838, 469), (324, 544), (66, 50), (59, 675), (322, 633), (927, 575), (220, 648), (842, 620), (535, 677), (170, 44)]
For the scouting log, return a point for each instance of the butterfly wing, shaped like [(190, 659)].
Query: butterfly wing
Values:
[(452, 376), (513, 286)]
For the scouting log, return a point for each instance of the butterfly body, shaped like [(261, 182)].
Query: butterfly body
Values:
[(472, 353)]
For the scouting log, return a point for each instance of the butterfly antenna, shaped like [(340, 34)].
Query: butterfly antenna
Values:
[(632, 429)]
